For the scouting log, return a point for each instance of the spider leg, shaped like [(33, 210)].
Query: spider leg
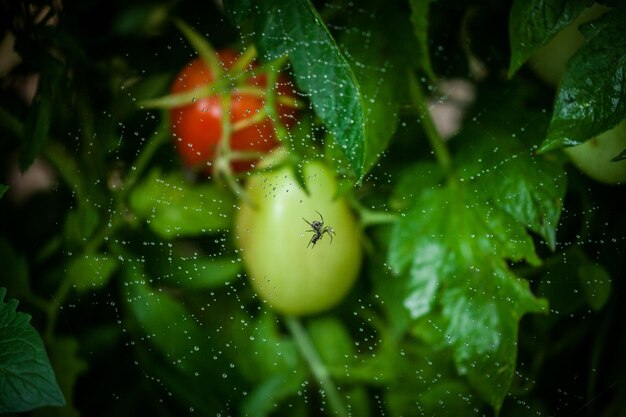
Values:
[(311, 241), (309, 223), (320, 216), (330, 232)]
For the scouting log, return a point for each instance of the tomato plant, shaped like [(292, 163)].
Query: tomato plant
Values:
[(406, 234), (198, 127), (294, 276)]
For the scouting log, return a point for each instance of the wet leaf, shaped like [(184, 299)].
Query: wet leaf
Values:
[(379, 61), (454, 249), (28, 380), (500, 159), (419, 19), (532, 23), (592, 96), (68, 366), (296, 30)]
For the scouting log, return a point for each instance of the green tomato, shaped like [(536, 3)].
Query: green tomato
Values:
[(550, 61), (293, 274), (594, 156)]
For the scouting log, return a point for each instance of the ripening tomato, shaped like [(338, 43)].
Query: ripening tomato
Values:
[(286, 268), (197, 127)]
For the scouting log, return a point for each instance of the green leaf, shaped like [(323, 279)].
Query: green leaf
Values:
[(573, 282), (90, 272), (173, 207), (194, 272), (592, 96), (3, 189), (596, 284), (41, 111), (175, 333), (455, 248), (14, 270), (28, 381), (419, 19), (272, 360), (187, 390), (532, 23), (265, 350), (266, 396), (68, 366), (500, 159), (413, 180), (294, 28), (377, 46), (528, 187), (414, 377), (332, 341), (80, 224)]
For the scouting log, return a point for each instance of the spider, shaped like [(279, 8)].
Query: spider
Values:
[(318, 228)]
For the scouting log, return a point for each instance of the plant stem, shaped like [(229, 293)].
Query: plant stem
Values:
[(319, 370), (271, 97), (244, 60), (436, 142), (53, 311), (160, 136)]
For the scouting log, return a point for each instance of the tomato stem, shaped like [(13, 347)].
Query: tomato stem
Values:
[(249, 121), (436, 142), (287, 101), (222, 168), (319, 370), (202, 46), (160, 136), (270, 98), (244, 60)]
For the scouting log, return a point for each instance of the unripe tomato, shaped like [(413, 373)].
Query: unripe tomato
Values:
[(594, 156), (197, 127), (285, 268), (550, 61)]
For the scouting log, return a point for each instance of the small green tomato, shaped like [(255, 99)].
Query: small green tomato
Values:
[(594, 156), (294, 273)]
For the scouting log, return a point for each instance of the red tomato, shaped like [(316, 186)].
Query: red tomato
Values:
[(197, 127)]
